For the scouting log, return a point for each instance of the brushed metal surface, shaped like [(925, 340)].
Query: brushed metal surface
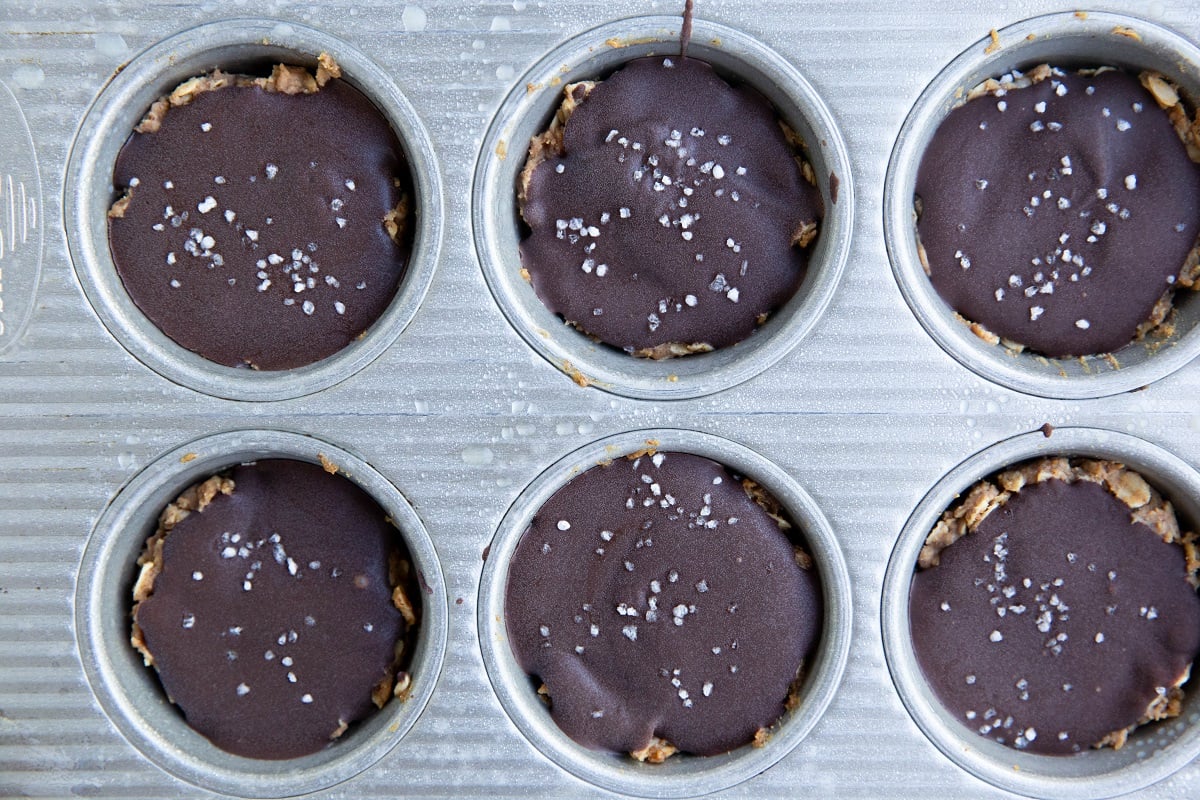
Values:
[(867, 413)]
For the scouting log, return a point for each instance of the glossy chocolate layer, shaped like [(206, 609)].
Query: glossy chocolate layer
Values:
[(1057, 621), (1057, 215), (272, 620), (254, 235), (670, 215), (653, 597)]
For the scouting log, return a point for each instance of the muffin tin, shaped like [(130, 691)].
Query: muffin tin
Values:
[(447, 410)]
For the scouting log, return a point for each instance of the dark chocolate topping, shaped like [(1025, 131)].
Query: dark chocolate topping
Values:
[(653, 597), (254, 235), (670, 215), (1057, 621), (272, 619), (1057, 215)]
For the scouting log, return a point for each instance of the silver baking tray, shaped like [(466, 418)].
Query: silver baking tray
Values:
[(860, 405)]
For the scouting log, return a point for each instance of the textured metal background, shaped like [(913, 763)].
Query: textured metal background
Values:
[(866, 414)]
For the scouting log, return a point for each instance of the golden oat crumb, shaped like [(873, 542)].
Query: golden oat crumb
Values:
[(580, 379), (994, 44), (658, 751)]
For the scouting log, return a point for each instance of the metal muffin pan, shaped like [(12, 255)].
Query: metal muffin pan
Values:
[(679, 776), (130, 692), (527, 111), (1153, 751), (1076, 39), (235, 45), (866, 412)]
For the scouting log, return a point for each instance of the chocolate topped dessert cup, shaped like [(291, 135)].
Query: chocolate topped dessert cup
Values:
[(664, 613), (1042, 205), (261, 614), (1041, 618), (1055, 608), (277, 607), (657, 224), (662, 226), (263, 222), (253, 209), (691, 616), (1058, 210)]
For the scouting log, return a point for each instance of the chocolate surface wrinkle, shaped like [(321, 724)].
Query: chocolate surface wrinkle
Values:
[(667, 210), (662, 607), (263, 221)]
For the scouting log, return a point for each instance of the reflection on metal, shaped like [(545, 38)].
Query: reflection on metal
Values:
[(20, 233), (20, 215)]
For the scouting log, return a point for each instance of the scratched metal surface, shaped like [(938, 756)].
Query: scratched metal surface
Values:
[(866, 414)]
